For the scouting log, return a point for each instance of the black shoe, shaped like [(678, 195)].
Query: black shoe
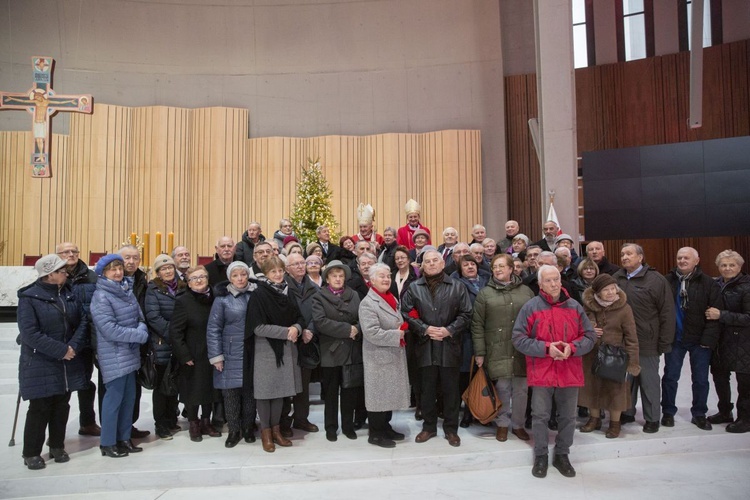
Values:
[(249, 435), (163, 433), (138, 434), (128, 446), (552, 424), (541, 462), (286, 432), (59, 455), (381, 441), (331, 436), (668, 420), (701, 423), (350, 434), (583, 412), (467, 419), (174, 428), (34, 463), (232, 439), (561, 463), (627, 419), (740, 426), (650, 427), (721, 418), (112, 452), (418, 414), (360, 425), (394, 435)]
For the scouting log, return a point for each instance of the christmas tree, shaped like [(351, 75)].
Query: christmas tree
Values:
[(313, 206)]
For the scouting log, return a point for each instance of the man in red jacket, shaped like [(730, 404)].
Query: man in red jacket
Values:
[(553, 332)]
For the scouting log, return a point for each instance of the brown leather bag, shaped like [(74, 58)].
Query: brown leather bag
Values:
[(481, 396)]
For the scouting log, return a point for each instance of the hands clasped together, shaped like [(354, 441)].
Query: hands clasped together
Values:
[(560, 351)]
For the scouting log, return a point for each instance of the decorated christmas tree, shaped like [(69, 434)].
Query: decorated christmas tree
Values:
[(313, 205)]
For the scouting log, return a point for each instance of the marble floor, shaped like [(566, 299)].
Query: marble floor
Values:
[(679, 462)]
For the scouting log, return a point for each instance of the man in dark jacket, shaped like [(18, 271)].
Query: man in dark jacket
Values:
[(595, 251), (183, 261), (82, 281), (650, 297), (330, 250), (217, 269), (438, 310), (246, 247), (693, 293)]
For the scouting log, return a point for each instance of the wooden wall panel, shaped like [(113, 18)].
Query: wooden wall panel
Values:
[(195, 173), (635, 104)]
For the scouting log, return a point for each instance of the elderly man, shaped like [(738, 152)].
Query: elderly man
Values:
[(650, 297), (693, 292), (511, 230), (388, 250), (83, 282), (331, 251), (406, 232), (450, 240), (438, 310), (360, 277), (365, 219), (217, 269), (549, 234), (477, 251), (478, 234), (246, 246), (553, 332), (565, 258), (459, 250), (595, 251), (360, 247), (181, 257), (262, 252), (530, 262)]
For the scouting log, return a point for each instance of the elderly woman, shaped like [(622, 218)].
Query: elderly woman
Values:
[(388, 249), (336, 317), (347, 249), (490, 248), (386, 381), (285, 229), (733, 351), (275, 321), (314, 264), (314, 248), (53, 327), (474, 280), (495, 311), (421, 239), (404, 275), (587, 271), (293, 247), (188, 333), (607, 308), (120, 328), (225, 337), (160, 299), (518, 246)]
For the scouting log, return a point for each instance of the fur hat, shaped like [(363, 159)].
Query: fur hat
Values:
[(162, 260), (105, 261), (602, 281), (48, 265), (521, 236)]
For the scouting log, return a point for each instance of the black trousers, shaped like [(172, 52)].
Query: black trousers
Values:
[(86, 397), (51, 411), (380, 422), (164, 407), (192, 411), (301, 403), (448, 379), (724, 391), (331, 386)]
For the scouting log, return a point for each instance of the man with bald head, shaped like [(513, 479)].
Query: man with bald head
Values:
[(595, 251), (438, 311), (459, 250), (511, 230), (217, 269), (450, 240), (693, 293)]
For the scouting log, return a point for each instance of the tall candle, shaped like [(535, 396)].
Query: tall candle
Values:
[(146, 260), (170, 241), (158, 243), (132, 238)]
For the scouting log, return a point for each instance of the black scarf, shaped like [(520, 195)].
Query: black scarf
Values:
[(433, 282), (269, 305)]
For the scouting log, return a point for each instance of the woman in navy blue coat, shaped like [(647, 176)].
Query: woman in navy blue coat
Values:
[(53, 330)]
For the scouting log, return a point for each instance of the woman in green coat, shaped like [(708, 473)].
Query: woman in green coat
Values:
[(495, 311)]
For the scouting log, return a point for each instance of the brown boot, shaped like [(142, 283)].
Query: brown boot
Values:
[(594, 424), (278, 438), (266, 438), (614, 430), (208, 430), (502, 434), (195, 431)]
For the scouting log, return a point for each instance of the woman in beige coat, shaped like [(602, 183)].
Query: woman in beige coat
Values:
[(384, 353), (607, 308)]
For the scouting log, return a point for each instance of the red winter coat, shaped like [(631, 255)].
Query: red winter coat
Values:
[(540, 323)]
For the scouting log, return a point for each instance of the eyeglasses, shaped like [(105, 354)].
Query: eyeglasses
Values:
[(297, 264), (60, 271), (313, 264), (198, 278), (68, 252)]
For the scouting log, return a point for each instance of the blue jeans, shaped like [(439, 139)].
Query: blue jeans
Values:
[(117, 410), (700, 358)]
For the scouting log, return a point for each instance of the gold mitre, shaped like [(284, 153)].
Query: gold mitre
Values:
[(365, 213), (412, 207)]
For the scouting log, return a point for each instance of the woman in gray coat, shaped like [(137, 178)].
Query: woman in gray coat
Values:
[(384, 354), (226, 352), (336, 318), (275, 320)]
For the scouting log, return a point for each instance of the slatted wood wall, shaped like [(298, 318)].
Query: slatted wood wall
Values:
[(636, 103), (195, 173)]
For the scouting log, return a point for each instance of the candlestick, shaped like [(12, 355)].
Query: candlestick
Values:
[(158, 243), (146, 260), (132, 238), (170, 241)]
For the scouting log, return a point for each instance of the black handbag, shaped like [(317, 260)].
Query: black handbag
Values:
[(169, 382), (611, 363), (353, 376), (146, 375), (308, 355)]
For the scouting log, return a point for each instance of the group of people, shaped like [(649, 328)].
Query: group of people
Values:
[(384, 322)]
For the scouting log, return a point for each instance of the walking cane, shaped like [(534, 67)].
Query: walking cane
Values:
[(15, 421)]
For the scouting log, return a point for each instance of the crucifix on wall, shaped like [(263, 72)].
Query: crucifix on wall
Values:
[(42, 102)]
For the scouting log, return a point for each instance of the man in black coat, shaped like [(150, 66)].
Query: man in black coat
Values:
[(693, 292), (595, 251), (550, 230), (217, 269), (245, 248), (83, 282), (438, 310), (330, 250)]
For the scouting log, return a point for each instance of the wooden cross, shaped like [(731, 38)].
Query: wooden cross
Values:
[(42, 102)]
